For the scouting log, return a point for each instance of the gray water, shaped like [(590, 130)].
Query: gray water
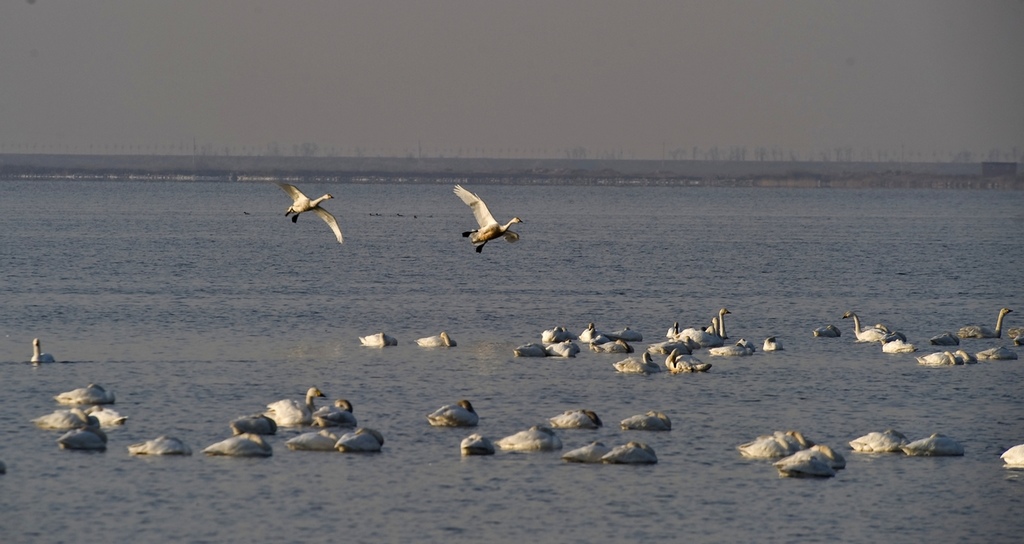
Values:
[(200, 302)]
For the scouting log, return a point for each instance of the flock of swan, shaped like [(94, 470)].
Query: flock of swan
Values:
[(487, 229), (792, 453)]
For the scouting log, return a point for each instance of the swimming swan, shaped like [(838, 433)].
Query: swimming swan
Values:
[(642, 366), (591, 453), (489, 228), (945, 339), (934, 446), (338, 415), (626, 334), (1014, 457), (477, 444), (618, 346), (944, 358), (897, 345), (536, 438), (301, 203), (107, 417), (677, 363), (576, 419), (1001, 353), (87, 438), (981, 331), (828, 331), (632, 453), (161, 445), (872, 334), (556, 334), (809, 463), (291, 413), (37, 355), (460, 414), (440, 341), (90, 394), (887, 441), (741, 348), (256, 424), (313, 441), (65, 420), (651, 421), (243, 445), (378, 340), (772, 344), (565, 348), (777, 444), (362, 440), (530, 350)]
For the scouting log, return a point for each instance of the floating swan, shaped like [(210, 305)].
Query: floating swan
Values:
[(944, 358), (777, 444), (667, 347), (632, 453), (536, 438), (530, 350), (981, 331), (741, 348), (1014, 457), (591, 335), (477, 444), (86, 438), (626, 334), (107, 417), (898, 346), (338, 415), (362, 440), (591, 453), (243, 445), (828, 331), (934, 446), (301, 203), (807, 463), (772, 344), (576, 419), (313, 441), (712, 337), (440, 341), (90, 394), (1001, 353), (887, 441), (488, 229), (291, 413), (679, 363), (557, 334), (651, 421), (617, 346), (964, 358), (945, 339), (161, 445), (566, 348), (873, 334), (378, 340), (673, 331), (634, 366), (256, 424), (460, 414), (37, 355), (65, 420), (1015, 332)]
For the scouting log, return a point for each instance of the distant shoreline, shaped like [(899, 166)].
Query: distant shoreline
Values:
[(503, 171)]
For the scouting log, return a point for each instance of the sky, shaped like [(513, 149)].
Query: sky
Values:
[(526, 78)]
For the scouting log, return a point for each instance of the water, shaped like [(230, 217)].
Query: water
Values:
[(197, 303)]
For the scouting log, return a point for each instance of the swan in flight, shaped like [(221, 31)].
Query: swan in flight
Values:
[(1014, 457), (489, 228), (887, 441), (440, 341), (362, 440), (301, 203), (460, 414), (477, 444), (576, 419), (933, 446), (292, 413), (37, 354), (338, 415), (161, 445), (378, 340), (632, 453), (981, 331), (90, 394), (243, 445), (871, 334), (591, 453), (828, 331), (536, 438), (651, 421)]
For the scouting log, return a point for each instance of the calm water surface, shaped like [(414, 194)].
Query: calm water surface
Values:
[(200, 302)]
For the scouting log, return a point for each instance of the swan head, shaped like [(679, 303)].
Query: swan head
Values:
[(344, 404), (849, 314), (1002, 311), (724, 311), (799, 436), (314, 392), (515, 220), (593, 417), (35, 342), (467, 405)]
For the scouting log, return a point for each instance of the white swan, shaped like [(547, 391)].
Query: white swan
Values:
[(809, 463), (301, 203), (945, 339), (617, 346), (313, 441), (65, 420), (634, 366), (632, 453), (944, 358), (1014, 457), (980, 331), (90, 394), (488, 229), (828, 331), (887, 441), (872, 334), (536, 438), (712, 337), (651, 421), (338, 415), (777, 444), (243, 445), (576, 419), (460, 414), (741, 348), (964, 358), (87, 438), (37, 354), (107, 417), (898, 345), (476, 444), (291, 413), (530, 350), (1001, 353), (668, 346), (591, 335), (772, 344), (378, 340), (362, 440), (933, 446), (1014, 332), (591, 453), (626, 334), (677, 363), (255, 424), (556, 334), (161, 445), (440, 341), (565, 348)]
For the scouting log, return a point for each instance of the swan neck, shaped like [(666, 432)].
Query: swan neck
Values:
[(999, 325), (856, 324), (721, 325)]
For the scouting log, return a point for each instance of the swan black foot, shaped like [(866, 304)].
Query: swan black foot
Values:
[(480, 248), (295, 218), (467, 233)]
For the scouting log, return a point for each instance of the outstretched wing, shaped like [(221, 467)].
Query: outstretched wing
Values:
[(292, 191), (483, 215), (329, 219)]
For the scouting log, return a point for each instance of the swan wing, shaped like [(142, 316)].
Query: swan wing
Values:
[(329, 219), (292, 191), (480, 211)]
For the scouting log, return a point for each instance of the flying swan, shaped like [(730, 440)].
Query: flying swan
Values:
[(301, 203), (489, 228)]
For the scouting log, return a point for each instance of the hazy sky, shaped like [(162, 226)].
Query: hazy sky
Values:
[(519, 77)]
